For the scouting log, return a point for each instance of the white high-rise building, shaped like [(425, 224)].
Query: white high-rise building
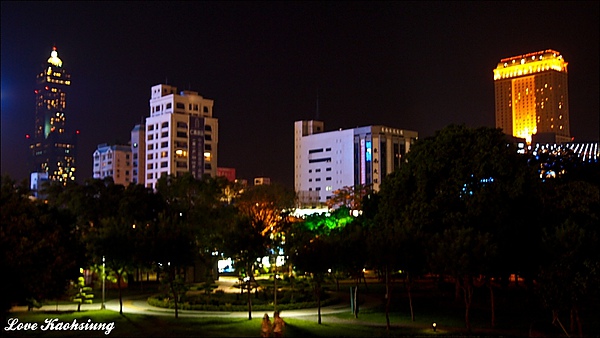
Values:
[(181, 135), (327, 161)]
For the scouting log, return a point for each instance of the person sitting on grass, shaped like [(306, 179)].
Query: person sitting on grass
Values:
[(278, 325), (265, 330)]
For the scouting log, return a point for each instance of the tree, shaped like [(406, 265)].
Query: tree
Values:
[(569, 275), (349, 197), (443, 191), (311, 253), (173, 248), (114, 241), (267, 206), (200, 203), (245, 244), (395, 241), (40, 246)]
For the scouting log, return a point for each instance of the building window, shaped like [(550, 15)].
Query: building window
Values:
[(328, 179), (169, 105), (318, 180), (318, 170), (196, 107), (181, 164), (150, 137), (151, 146), (181, 125), (205, 109), (165, 125), (207, 147), (317, 160), (180, 105), (164, 164), (182, 134), (164, 144), (207, 128), (157, 108), (207, 137), (165, 134), (164, 154)]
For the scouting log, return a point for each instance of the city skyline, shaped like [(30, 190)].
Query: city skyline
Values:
[(415, 66)]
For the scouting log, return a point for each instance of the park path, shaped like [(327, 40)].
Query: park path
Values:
[(139, 305)]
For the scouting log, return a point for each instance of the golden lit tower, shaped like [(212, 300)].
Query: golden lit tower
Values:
[(532, 100), (52, 149)]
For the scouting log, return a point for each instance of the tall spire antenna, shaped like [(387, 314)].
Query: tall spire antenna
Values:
[(166, 80), (317, 111)]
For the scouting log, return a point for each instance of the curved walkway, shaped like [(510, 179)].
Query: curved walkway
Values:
[(139, 305)]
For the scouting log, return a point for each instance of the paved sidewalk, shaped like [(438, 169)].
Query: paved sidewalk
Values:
[(139, 305)]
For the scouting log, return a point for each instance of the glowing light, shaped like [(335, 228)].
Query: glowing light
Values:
[(530, 64), (54, 59)]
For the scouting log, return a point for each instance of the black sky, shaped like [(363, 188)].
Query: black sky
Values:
[(410, 65)]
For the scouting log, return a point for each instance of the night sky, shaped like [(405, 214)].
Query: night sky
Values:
[(411, 65)]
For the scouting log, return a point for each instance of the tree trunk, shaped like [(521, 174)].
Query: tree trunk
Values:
[(174, 291), (249, 290), (576, 320), (388, 298), (408, 289), (120, 293), (356, 299), (319, 305), (457, 288), (468, 297), (492, 303)]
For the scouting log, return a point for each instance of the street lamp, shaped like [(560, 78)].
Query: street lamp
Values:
[(434, 326), (103, 282)]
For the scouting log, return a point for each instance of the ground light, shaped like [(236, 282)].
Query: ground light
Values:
[(434, 326)]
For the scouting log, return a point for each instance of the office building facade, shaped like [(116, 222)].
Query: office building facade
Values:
[(328, 161), (53, 148), (138, 154), (113, 161), (181, 135), (532, 100)]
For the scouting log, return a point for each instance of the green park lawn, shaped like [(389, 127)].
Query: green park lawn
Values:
[(514, 317)]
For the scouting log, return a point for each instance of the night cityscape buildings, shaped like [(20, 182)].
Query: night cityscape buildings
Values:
[(113, 161), (181, 135), (53, 148), (328, 161), (532, 100)]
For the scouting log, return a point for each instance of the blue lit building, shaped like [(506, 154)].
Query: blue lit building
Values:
[(328, 161)]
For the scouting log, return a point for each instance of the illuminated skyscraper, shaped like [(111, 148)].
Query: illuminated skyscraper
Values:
[(53, 149), (181, 135), (532, 100)]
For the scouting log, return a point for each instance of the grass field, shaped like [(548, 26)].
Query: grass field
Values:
[(515, 314)]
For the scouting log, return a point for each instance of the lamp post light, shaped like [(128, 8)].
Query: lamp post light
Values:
[(434, 326), (103, 282)]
